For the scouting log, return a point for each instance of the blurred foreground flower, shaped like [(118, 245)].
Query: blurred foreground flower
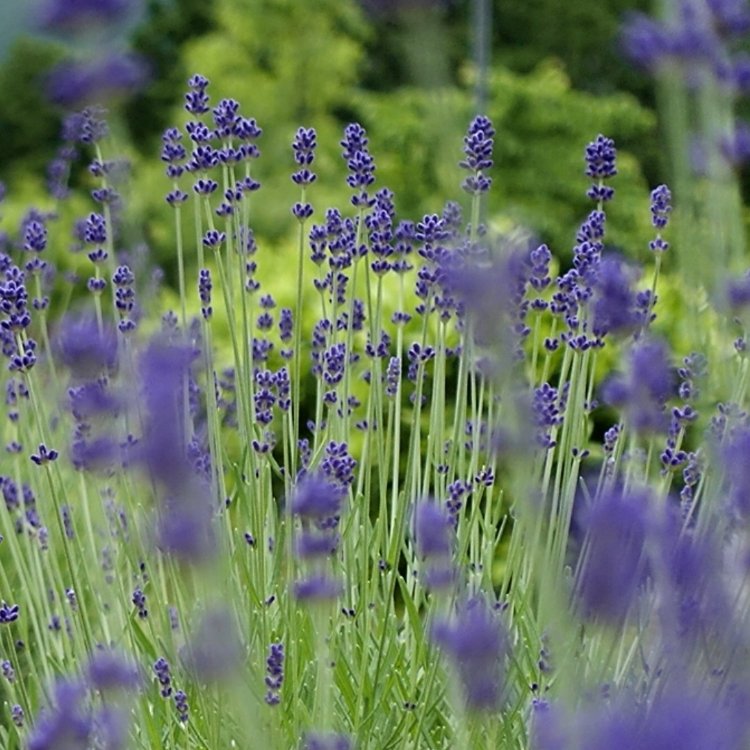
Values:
[(475, 642), (613, 563), (74, 84)]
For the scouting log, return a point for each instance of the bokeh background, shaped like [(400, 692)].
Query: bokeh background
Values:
[(551, 75)]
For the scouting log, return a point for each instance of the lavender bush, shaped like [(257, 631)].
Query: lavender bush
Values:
[(451, 496)]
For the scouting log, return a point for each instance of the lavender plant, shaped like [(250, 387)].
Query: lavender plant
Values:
[(448, 496)]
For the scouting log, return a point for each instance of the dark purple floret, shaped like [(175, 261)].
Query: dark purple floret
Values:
[(478, 145), (205, 186), (123, 277), (475, 642), (34, 236), (95, 229), (304, 144), (213, 239), (247, 129), (44, 455), (338, 465), (355, 140), (176, 197), (600, 156), (163, 675), (661, 206), (17, 715), (302, 211), (274, 673), (181, 706), (204, 292), (360, 163), (225, 114), (173, 153), (196, 100), (139, 600), (286, 325), (8, 613), (204, 156), (96, 286)]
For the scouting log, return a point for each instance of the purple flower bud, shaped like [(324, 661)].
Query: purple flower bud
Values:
[(204, 291), (478, 145), (44, 456), (8, 613), (139, 600), (600, 158), (163, 675), (274, 673), (181, 706), (196, 100), (661, 206)]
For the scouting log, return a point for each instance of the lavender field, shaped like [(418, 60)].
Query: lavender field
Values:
[(372, 479)]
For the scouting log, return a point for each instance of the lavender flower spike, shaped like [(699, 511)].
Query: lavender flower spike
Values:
[(274, 673), (600, 156), (478, 144), (661, 207)]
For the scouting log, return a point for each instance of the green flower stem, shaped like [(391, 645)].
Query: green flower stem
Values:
[(296, 373), (179, 243), (42, 317)]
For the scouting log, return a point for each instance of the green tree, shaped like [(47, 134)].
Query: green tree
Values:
[(167, 26), (29, 124)]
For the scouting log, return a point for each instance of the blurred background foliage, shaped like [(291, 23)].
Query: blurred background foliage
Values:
[(404, 68)]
